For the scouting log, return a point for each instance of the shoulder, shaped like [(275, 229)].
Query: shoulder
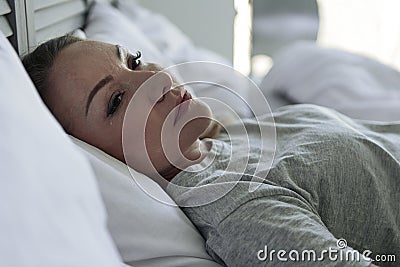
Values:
[(307, 110)]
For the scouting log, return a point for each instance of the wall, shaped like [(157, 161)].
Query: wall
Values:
[(209, 23)]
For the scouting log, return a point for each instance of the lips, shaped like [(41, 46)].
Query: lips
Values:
[(185, 96)]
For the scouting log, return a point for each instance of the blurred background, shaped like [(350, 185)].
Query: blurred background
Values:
[(251, 32)]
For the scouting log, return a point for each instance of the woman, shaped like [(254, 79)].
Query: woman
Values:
[(332, 187)]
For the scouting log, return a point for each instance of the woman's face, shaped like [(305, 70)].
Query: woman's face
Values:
[(90, 86)]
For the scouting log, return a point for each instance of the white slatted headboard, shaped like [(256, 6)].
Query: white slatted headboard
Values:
[(28, 23), (5, 11), (47, 19)]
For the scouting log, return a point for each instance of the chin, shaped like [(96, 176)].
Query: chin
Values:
[(198, 119), (200, 108), (202, 115)]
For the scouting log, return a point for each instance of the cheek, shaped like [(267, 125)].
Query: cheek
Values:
[(153, 133), (111, 138), (162, 152), (177, 138), (101, 134), (151, 137)]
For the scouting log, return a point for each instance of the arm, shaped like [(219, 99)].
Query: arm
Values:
[(249, 235)]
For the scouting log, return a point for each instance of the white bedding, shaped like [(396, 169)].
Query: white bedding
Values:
[(147, 231), (304, 73), (355, 85), (51, 210)]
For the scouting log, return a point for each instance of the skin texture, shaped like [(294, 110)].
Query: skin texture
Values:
[(79, 67)]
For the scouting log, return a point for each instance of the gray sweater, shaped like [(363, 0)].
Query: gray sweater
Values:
[(330, 196)]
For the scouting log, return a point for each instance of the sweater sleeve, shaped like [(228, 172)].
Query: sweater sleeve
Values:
[(277, 232)]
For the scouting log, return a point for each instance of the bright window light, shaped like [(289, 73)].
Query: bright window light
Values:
[(260, 65), (369, 27), (242, 36)]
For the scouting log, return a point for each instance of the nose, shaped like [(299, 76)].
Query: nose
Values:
[(152, 84)]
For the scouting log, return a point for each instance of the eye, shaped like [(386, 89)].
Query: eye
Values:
[(133, 60), (114, 102)]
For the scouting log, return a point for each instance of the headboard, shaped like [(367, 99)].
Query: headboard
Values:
[(26, 23), (7, 21)]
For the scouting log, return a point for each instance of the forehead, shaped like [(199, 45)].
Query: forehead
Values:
[(79, 66), (75, 71), (86, 57)]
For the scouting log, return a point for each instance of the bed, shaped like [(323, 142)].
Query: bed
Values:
[(59, 203), (64, 201)]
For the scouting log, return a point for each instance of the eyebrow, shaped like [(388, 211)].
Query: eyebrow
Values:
[(103, 82)]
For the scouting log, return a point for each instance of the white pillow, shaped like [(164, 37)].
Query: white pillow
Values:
[(167, 37), (107, 24), (357, 86), (147, 232), (51, 210)]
